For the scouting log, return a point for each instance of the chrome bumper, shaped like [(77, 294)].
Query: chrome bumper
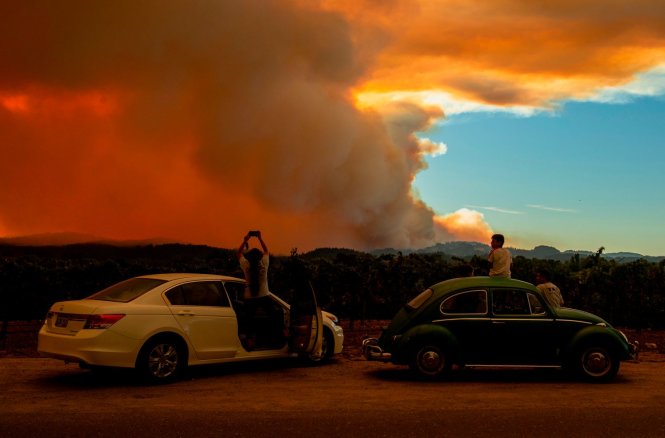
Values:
[(635, 349), (372, 351)]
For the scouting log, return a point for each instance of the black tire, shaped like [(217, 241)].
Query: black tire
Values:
[(430, 361), (328, 346), (162, 359), (596, 363), (327, 349)]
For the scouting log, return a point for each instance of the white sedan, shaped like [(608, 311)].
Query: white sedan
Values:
[(160, 324)]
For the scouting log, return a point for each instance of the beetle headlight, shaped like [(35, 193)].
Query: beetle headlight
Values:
[(624, 336)]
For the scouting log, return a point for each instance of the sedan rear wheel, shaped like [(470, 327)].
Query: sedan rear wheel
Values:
[(430, 361), (161, 360)]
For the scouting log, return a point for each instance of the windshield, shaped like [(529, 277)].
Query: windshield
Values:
[(420, 299), (127, 290)]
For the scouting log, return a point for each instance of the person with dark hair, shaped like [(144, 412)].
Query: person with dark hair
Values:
[(254, 263), (549, 290), (499, 258)]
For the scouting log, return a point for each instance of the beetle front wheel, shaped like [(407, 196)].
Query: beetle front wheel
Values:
[(597, 363)]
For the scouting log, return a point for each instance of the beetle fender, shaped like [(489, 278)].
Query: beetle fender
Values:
[(594, 335), (419, 335)]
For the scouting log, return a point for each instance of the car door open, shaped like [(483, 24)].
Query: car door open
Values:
[(305, 322)]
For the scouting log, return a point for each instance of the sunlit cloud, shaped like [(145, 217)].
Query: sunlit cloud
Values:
[(647, 84), (557, 209), (445, 101), (479, 56), (464, 224), (432, 148)]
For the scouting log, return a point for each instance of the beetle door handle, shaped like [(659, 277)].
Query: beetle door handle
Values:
[(186, 313)]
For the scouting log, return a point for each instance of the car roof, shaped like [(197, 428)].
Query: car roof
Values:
[(455, 284), (173, 276)]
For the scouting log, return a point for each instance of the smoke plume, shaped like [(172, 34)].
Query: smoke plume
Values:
[(199, 120)]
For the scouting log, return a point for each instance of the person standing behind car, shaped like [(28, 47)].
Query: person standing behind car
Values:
[(254, 264), (549, 290), (499, 258), (465, 270)]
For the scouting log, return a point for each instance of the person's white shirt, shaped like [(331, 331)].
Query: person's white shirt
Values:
[(500, 260), (263, 276), (551, 293)]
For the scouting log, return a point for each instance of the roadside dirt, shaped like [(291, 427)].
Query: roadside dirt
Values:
[(347, 397)]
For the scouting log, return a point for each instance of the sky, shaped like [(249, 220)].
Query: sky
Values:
[(335, 123)]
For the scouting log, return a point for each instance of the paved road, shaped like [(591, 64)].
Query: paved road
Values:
[(348, 398)]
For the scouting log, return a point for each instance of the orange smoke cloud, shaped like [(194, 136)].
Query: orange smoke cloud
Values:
[(200, 120), (465, 224)]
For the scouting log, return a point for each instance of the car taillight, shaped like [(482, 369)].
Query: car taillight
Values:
[(102, 321)]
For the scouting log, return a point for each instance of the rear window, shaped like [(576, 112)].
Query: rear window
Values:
[(201, 293), (127, 290), (469, 302)]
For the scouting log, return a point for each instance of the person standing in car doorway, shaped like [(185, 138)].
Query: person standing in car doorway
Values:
[(499, 258), (254, 263)]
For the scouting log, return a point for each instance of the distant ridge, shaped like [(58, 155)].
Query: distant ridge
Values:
[(470, 249), (70, 238), (460, 249)]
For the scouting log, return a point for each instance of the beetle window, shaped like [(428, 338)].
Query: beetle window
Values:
[(202, 293), (469, 302), (510, 302), (536, 306), (420, 299)]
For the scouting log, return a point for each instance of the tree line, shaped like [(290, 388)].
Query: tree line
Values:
[(352, 284)]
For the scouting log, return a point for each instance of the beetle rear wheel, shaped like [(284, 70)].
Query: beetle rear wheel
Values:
[(430, 361)]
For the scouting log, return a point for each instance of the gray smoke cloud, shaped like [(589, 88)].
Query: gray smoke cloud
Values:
[(198, 120)]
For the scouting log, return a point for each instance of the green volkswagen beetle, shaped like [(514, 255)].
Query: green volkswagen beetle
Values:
[(484, 321)]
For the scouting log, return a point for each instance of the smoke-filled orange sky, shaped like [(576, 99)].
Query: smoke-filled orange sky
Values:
[(199, 120)]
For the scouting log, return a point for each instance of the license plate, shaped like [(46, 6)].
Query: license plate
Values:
[(61, 322)]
